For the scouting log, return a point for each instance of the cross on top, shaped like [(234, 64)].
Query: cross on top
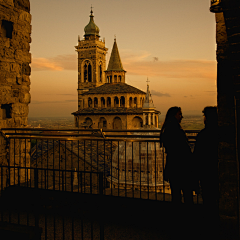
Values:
[(91, 9), (147, 81)]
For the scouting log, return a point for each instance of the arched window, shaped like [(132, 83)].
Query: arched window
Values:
[(102, 102), (137, 122), (119, 78), (116, 102), (107, 79), (130, 102), (87, 72), (115, 78), (117, 123), (102, 123), (100, 73), (89, 122), (122, 101), (95, 102), (110, 79), (89, 102), (108, 102)]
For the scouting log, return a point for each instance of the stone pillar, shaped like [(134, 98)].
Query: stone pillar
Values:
[(153, 119), (112, 102), (149, 119), (99, 102), (144, 119), (138, 103)]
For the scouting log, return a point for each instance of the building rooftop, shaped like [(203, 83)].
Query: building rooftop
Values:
[(109, 88), (115, 63)]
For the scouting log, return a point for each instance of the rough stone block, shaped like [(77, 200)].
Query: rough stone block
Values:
[(6, 2), (22, 4)]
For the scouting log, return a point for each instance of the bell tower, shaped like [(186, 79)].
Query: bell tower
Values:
[(91, 60)]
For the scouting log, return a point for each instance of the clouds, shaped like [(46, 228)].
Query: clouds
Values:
[(58, 63), (139, 63), (159, 94)]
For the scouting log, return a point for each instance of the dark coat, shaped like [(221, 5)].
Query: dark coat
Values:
[(178, 160), (206, 155)]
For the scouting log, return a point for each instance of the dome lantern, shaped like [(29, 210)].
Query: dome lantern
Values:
[(91, 28)]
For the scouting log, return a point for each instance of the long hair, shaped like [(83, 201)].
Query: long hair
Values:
[(170, 117)]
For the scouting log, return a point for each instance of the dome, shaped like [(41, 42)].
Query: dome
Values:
[(91, 28)]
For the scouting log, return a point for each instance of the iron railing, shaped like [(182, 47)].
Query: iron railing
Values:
[(122, 163)]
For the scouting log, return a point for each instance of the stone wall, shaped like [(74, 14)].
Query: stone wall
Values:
[(15, 38), (15, 58), (228, 82)]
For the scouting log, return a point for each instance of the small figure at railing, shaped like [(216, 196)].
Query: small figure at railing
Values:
[(179, 156)]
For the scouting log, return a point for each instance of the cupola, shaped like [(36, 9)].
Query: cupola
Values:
[(91, 29)]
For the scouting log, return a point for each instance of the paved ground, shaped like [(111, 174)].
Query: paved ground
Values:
[(79, 216)]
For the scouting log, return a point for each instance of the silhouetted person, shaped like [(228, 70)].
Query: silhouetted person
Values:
[(206, 157), (178, 159)]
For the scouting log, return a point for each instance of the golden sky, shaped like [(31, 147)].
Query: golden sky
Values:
[(171, 42)]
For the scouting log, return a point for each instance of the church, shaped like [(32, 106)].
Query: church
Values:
[(104, 99)]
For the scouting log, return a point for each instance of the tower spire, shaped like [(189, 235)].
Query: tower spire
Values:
[(91, 11)]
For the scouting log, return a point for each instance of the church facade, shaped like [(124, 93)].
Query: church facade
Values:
[(104, 99)]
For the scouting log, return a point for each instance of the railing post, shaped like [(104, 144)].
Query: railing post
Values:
[(35, 178)]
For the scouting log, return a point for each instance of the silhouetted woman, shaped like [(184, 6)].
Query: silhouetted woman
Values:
[(178, 160)]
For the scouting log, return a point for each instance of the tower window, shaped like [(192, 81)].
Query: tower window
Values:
[(6, 29), (87, 72), (6, 110)]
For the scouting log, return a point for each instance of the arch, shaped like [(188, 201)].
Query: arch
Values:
[(135, 102), (115, 78), (122, 101), (108, 102), (89, 102), (95, 102), (89, 122), (87, 71), (137, 122), (117, 123), (102, 123), (152, 119), (110, 79), (119, 78), (100, 73), (102, 102), (116, 102), (130, 102), (107, 79)]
